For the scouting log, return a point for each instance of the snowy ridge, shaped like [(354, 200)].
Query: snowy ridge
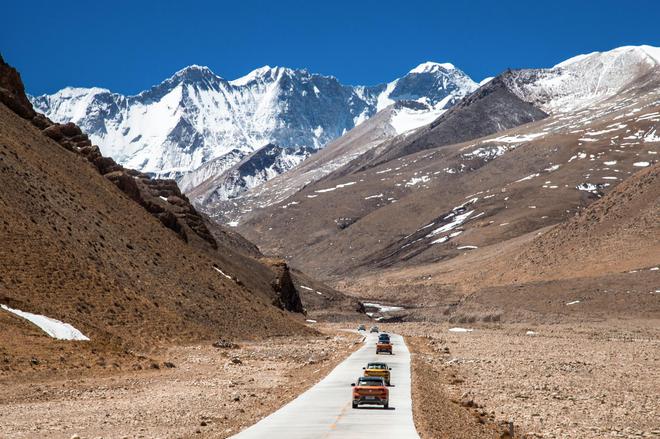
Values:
[(583, 80), (195, 116), (252, 171), (429, 67)]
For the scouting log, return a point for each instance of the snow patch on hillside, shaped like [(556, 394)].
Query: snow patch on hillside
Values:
[(52, 327)]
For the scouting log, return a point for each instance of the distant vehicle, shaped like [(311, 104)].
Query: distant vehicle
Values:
[(383, 346), (370, 390), (378, 369), (362, 328), (384, 337), (374, 329)]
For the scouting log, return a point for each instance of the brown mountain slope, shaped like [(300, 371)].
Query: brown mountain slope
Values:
[(123, 258), (77, 249), (600, 263), (619, 232)]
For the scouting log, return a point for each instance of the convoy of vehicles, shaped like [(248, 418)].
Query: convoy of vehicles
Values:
[(372, 387)]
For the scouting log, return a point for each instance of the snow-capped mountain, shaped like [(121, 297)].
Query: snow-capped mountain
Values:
[(583, 80), (196, 117), (254, 170), (512, 98)]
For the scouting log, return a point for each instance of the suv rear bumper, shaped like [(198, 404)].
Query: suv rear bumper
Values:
[(364, 400)]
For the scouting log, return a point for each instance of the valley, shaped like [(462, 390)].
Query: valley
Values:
[(195, 258)]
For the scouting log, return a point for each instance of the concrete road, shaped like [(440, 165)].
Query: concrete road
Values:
[(324, 411)]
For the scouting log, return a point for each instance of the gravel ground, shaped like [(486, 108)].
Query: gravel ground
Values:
[(211, 392), (560, 381)]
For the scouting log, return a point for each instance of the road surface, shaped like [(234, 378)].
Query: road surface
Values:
[(324, 411)]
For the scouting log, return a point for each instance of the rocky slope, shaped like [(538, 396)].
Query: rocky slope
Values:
[(121, 256), (196, 117), (253, 170)]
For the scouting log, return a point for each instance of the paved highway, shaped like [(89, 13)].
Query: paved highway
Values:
[(324, 411)]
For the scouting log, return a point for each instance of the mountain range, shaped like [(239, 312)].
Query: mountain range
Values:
[(434, 215), (513, 98), (196, 126)]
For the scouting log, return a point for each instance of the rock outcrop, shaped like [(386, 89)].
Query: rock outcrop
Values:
[(161, 198), (287, 295)]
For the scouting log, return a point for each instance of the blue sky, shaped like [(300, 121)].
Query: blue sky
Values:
[(128, 46)]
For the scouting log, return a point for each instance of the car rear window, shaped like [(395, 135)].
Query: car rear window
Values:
[(370, 382), (376, 366)]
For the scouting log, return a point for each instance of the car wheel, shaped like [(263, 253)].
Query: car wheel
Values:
[(386, 405), (355, 405)]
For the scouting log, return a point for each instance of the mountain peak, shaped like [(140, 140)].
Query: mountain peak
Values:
[(651, 52), (263, 73), (432, 67), (195, 72)]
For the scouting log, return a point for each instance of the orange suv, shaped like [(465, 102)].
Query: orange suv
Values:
[(384, 344), (370, 390)]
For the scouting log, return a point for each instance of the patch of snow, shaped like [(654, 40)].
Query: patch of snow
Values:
[(590, 187), (485, 81), (487, 153), (417, 180), (406, 119), (222, 272), (575, 302), (467, 247), (460, 330), (641, 164), (52, 327), (518, 138), (458, 220), (383, 308), (339, 186), (529, 177)]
